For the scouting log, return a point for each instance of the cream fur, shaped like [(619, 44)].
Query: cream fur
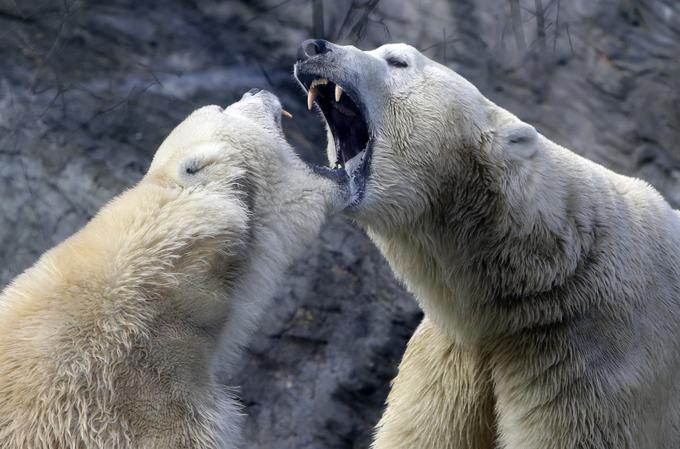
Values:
[(550, 284), (109, 340)]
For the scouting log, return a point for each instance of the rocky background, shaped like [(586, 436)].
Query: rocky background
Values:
[(89, 89)]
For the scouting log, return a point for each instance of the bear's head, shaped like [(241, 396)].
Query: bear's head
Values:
[(240, 148), (239, 152), (225, 207), (403, 128)]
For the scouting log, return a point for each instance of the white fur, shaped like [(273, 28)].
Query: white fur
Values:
[(109, 340), (551, 285)]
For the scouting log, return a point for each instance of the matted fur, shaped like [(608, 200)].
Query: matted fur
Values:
[(109, 340), (550, 285)]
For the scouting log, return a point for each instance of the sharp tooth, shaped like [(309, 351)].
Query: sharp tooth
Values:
[(286, 113), (311, 96), (338, 93)]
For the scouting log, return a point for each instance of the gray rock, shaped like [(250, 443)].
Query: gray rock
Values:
[(89, 89)]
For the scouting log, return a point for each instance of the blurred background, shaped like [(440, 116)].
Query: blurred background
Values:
[(88, 90)]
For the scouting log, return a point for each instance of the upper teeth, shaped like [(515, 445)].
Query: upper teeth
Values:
[(319, 81), (311, 95), (314, 91)]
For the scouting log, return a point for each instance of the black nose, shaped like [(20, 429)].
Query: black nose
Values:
[(252, 92), (313, 47)]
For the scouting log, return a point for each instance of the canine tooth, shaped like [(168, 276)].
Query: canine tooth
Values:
[(311, 96), (338, 92), (286, 113)]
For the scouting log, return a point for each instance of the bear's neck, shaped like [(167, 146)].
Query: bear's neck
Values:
[(281, 239), (481, 255), (423, 260)]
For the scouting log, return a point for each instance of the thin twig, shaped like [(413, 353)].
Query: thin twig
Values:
[(517, 26), (447, 41), (317, 19), (557, 25)]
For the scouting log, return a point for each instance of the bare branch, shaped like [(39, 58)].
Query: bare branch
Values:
[(557, 26), (267, 11), (9, 15), (357, 30), (571, 46), (517, 25), (360, 26), (265, 74), (540, 27), (439, 44), (317, 19), (346, 20)]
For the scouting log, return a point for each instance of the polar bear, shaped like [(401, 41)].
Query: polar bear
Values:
[(109, 340), (550, 285)]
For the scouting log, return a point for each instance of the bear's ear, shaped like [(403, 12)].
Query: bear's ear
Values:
[(519, 140)]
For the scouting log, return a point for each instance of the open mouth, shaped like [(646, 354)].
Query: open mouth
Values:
[(346, 119)]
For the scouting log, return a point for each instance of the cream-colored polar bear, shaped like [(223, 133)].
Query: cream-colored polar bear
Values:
[(550, 285), (108, 341)]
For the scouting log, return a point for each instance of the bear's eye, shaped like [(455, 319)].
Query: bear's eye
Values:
[(396, 62), (193, 167)]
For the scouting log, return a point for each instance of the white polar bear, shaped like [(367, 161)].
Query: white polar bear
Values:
[(550, 285), (108, 341)]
